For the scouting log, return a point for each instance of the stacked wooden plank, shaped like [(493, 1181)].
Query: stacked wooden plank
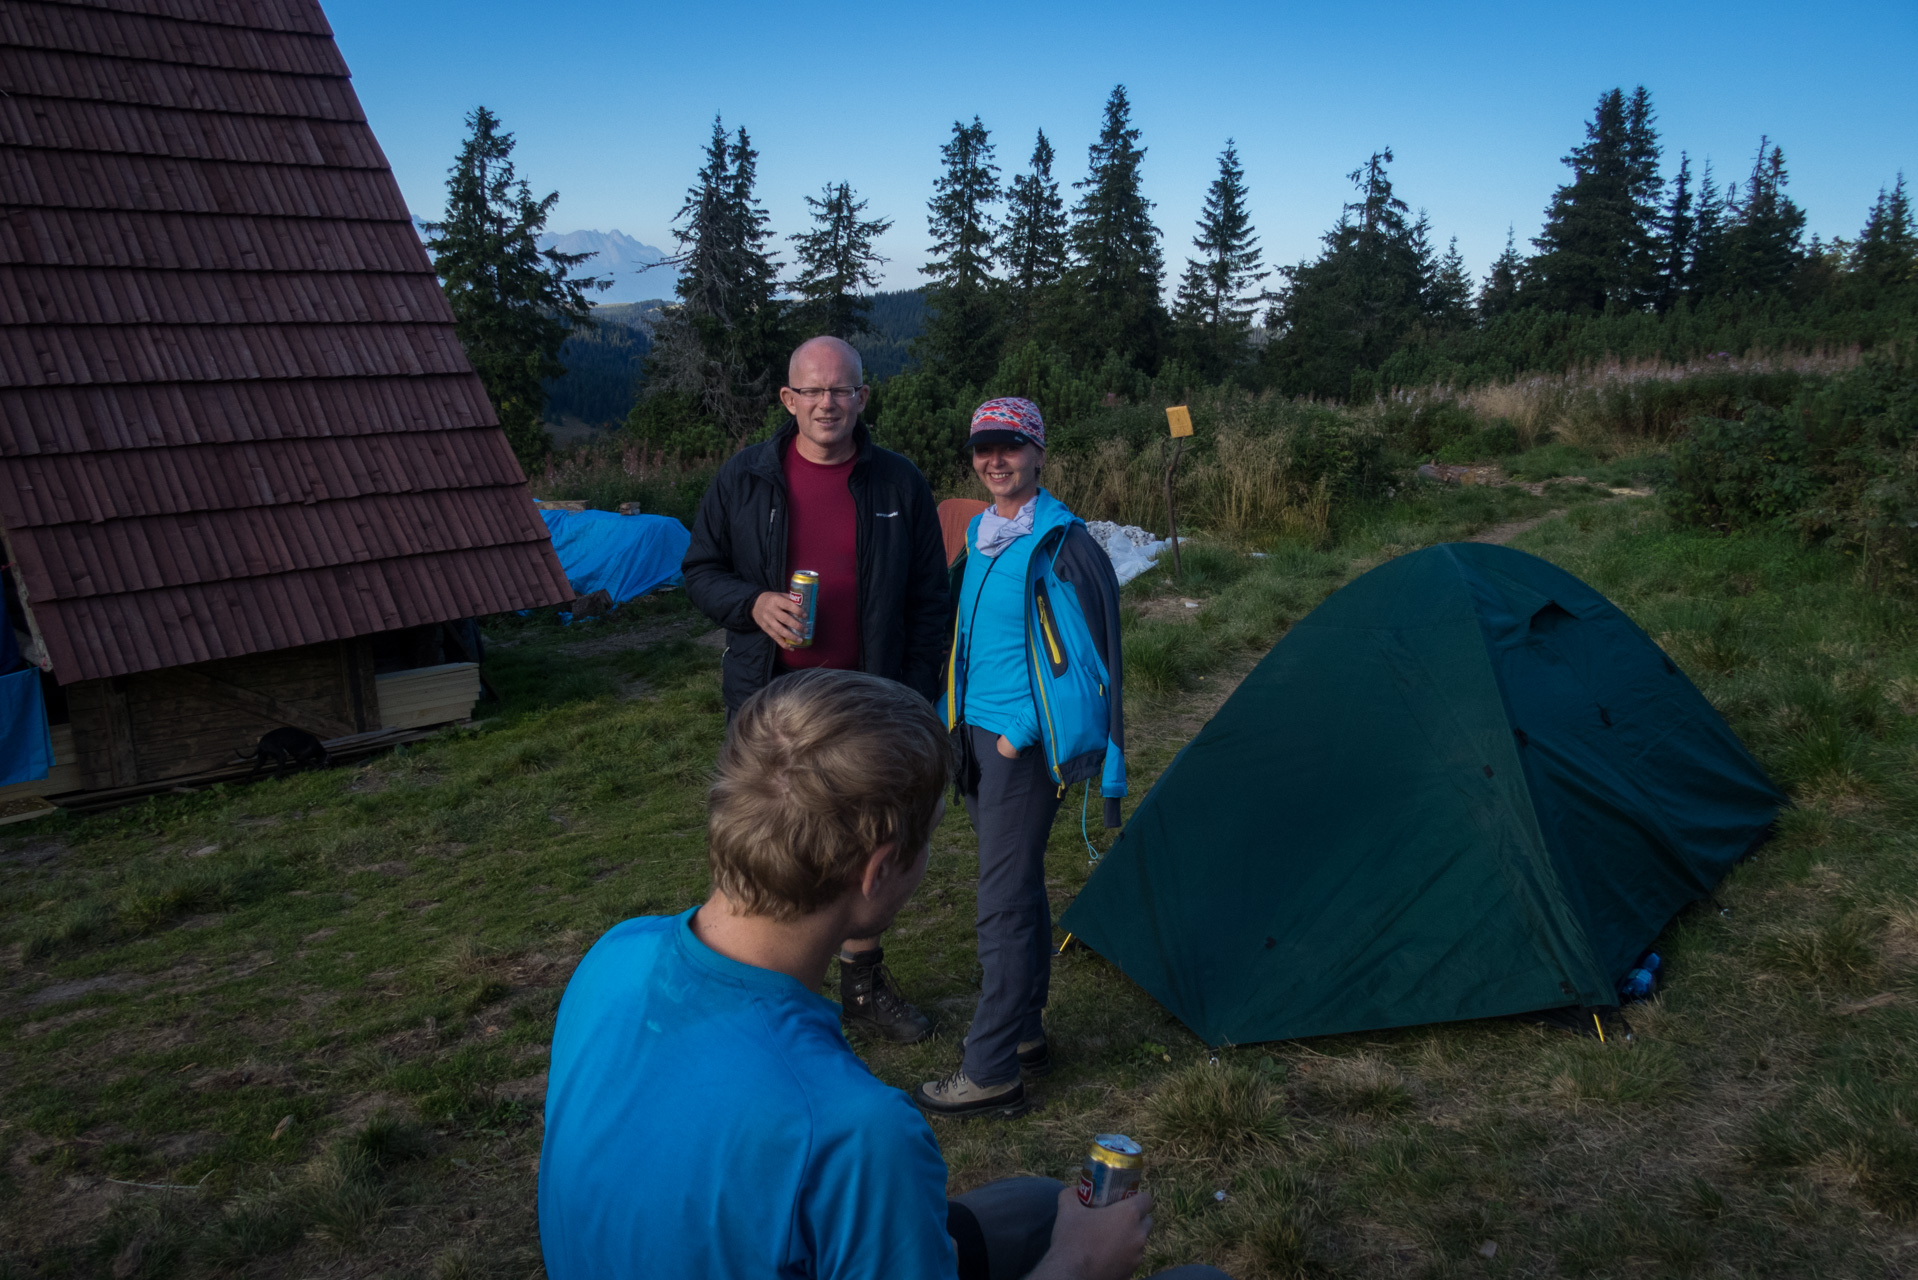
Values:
[(428, 695)]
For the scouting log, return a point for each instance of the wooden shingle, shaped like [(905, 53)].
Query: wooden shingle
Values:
[(234, 417)]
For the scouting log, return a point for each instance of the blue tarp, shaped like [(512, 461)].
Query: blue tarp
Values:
[(626, 556), (26, 747)]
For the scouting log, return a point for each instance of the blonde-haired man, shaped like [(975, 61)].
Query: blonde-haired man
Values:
[(705, 1115)]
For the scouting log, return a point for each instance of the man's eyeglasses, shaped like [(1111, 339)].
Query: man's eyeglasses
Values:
[(816, 394)]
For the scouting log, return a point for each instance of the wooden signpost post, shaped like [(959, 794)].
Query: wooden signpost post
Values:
[(1178, 420)]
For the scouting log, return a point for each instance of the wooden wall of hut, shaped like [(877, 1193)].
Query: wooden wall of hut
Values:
[(181, 721)]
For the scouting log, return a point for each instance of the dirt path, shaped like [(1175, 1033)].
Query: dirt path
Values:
[(1500, 534)]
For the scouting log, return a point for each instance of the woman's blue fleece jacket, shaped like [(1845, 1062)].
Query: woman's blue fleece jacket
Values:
[(1072, 651)]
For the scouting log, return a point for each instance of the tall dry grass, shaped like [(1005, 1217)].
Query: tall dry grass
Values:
[(1246, 483), (1620, 406)]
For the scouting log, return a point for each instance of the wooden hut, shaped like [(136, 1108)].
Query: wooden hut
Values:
[(247, 474)]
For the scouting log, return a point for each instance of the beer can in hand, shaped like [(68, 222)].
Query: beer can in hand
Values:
[(804, 592), (1112, 1170)]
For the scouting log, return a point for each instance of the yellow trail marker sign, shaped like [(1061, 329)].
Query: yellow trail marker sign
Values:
[(1179, 419)]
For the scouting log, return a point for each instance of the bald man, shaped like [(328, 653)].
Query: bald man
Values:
[(820, 495)]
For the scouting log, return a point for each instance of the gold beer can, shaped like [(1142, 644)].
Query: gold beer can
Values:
[(804, 592), (1112, 1170)]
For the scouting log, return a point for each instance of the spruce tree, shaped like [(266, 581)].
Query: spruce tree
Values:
[(836, 263), (763, 338), (707, 242), (1599, 247), (1340, 316), (1762, 248), (1500, 294), (1886, 255), (1677, 238), (514, 304), (963, 326), (1215, 309), (1032, 245), (1647, 193), (1117, 263), (721, 352), (1448, 296), (1705, 271)]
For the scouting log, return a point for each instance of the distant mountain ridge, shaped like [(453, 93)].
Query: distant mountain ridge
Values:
[(630, 264)]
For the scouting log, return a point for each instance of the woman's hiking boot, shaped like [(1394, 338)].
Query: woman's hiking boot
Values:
[(1035, 1059), (958, 1096), (869, 1001)]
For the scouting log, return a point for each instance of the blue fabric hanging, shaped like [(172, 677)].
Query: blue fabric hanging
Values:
[(626, 556), (26, 747)]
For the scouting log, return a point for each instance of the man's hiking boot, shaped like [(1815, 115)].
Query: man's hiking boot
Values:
[(1035, 1059), (869, 1001), (956, 1096)]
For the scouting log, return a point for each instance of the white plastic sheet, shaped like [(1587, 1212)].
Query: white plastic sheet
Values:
[(1131, 549)]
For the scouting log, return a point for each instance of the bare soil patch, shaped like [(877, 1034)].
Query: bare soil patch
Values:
[(637, 638)]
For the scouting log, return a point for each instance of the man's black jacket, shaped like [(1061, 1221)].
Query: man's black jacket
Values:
[(739, 550)]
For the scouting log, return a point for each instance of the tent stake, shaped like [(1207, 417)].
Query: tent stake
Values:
[(1601, 1028), (1063, 944)]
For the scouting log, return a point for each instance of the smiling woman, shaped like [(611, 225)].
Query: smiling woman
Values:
[(1033, 701)]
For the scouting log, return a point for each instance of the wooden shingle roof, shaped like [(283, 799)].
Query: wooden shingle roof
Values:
[(234, 416)]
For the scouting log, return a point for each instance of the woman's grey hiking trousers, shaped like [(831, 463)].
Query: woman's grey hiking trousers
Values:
[(1012, 811)]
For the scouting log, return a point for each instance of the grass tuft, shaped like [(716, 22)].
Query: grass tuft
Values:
[(387, 1141), (1640, 1072), (251, 1228), (1216, 1112), (1703, 1201), (1865, 1129), (1276, 1221), (75, 924), (1362, 1085), (341, 1199), (1840, 953)]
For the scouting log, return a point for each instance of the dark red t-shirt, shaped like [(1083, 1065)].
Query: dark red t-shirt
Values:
[(822, 534)]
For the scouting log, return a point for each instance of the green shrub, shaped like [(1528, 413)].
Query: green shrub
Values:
[(1420, 428), (1495, 441), (1839, 463), (1731, 474), (672, 423)]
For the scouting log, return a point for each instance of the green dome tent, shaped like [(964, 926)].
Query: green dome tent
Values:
[(1465, 786)]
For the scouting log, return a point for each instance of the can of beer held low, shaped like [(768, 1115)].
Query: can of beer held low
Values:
[(804, 592), (1112, 1170)]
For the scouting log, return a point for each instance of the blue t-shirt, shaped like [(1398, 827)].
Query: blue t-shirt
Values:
[(992, 599), (707, 1118)]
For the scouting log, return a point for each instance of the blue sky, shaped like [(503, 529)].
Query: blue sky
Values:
[(611, 102)]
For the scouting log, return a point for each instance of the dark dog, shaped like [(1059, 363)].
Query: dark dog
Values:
[(287, 750)]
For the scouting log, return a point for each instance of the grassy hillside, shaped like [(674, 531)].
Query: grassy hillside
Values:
[(299, 1028)]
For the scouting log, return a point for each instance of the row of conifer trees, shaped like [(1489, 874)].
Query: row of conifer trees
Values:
[(1065, 300)]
